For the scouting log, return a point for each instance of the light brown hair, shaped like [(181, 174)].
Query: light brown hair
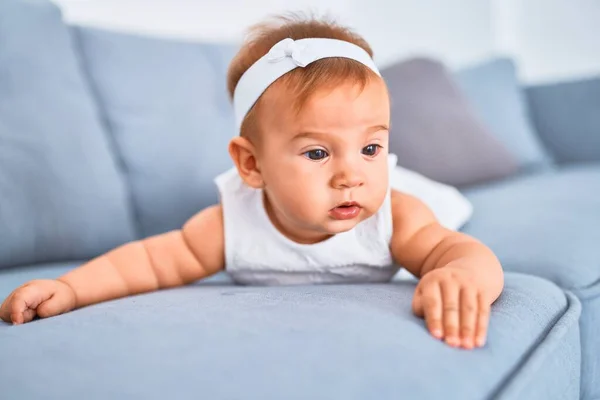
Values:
[(301, 82)]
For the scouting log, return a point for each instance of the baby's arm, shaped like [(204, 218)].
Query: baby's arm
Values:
[(459, 276), (167, 260)]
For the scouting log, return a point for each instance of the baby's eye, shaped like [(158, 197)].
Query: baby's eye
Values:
[(371, 150), (316, 154)]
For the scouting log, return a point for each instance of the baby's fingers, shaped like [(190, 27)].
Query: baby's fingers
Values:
[(57, 304), (451, 297), (468, 316), (432, 309), (21, 310), (483, 320), (24, 317), (5, 309), (24, 303)]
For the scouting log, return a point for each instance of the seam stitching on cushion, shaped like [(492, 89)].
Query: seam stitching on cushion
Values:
[(513, 384)]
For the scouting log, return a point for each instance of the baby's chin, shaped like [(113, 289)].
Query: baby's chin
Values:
[(334, 227)]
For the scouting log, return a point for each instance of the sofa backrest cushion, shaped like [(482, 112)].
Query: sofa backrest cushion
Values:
[(167, 109), (62, 195)]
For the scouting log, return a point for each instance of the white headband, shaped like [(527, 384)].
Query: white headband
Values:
[(285, 56)]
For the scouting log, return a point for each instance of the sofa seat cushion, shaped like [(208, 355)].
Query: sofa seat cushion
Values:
[(222, 341), (549, 225), (543, 224)]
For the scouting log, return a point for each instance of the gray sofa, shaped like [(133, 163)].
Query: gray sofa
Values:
[(108, 137)]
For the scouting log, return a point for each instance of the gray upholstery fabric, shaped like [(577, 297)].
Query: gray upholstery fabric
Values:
[(61, 194), (567, 117), (590, 345), (168, 111), (434, 130), (544, 224), (304, 342), (549, 225), (496, 95)]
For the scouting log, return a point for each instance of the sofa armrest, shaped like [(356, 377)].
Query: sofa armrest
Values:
[(567, 118)]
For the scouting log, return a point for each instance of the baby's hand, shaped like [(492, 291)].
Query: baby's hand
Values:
[(454, 306), (44, 298)]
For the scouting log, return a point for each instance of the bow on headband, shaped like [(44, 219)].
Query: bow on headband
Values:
[(292, 49)]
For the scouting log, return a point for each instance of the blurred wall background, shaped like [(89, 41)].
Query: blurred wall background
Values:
[(550, 39)]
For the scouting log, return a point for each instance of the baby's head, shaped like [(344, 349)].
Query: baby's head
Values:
[(314, 138)]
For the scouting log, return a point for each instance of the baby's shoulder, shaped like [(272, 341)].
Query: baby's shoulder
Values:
[(204, 235), (408, 212), (210, 217)]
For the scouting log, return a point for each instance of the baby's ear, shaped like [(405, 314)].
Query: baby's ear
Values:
[(243, 154)]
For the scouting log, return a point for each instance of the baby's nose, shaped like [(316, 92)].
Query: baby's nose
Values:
[(347, 179)]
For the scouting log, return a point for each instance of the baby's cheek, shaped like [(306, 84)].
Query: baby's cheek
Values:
[(292, 203), (309, 207), (377, 197), (308, 203)]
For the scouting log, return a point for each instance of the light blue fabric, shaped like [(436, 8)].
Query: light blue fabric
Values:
[(166, 105), (590, 344), (549, 225), (567, 117), (546, 224), (302, 342), (495, 93), (61, 195)]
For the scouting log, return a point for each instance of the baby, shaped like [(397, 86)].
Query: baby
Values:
[(309, 199)]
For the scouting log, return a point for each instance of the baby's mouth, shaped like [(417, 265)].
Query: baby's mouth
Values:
[(346, 210)]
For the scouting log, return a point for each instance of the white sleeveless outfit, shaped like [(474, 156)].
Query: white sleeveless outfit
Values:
[(256, 253)]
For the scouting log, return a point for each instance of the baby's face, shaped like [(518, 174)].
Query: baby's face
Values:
[(324, 169)]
